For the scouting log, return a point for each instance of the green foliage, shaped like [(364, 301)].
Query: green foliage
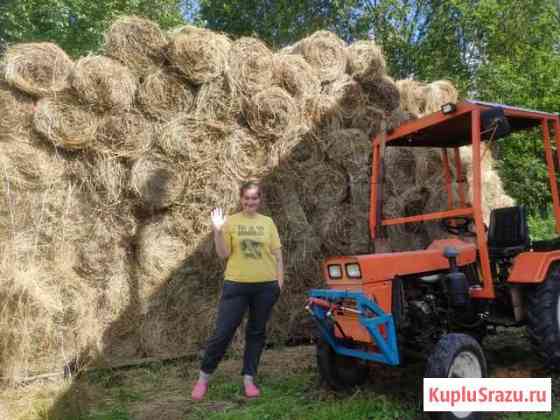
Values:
[(77, 25), (542, 227)]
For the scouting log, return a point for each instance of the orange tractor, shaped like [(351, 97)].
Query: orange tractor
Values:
[(442, 300)]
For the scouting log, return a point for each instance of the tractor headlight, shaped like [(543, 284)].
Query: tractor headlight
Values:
[(353, 270), (335, 271)]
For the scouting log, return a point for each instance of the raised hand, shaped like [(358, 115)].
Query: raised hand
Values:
[(218, 219)]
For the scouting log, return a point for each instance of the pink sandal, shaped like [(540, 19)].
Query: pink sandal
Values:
[(199, 390), (251, 390)]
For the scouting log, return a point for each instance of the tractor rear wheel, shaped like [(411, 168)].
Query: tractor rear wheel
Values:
[(543, 324), (456, 356), (339, 372)]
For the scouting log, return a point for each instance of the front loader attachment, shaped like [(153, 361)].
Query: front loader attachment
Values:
[(326, 305)]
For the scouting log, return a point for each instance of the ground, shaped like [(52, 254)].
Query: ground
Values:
[(289, 380)]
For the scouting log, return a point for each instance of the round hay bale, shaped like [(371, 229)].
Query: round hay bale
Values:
[(199, 55), (439, 93), (295, 75), (323, 187), (368, 119), (383, 93), (322, 113), (65, 123), (349, 96), (156, 182), (412, 96), (350, 148), (29, 166), (245, 157), (110, 176), (336, 229), (128, 135), (326, 53), (38, 69), (365, 61), (16, 109), (397, 117), (251, 65), (197, 142), (103, 83), (136, 42), (297, 146), (218, 100), (270, 112), (163, 95)]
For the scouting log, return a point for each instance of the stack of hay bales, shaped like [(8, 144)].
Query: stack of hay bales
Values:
[(115, 161)]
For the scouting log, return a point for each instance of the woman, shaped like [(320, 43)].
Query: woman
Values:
[(254, 277)]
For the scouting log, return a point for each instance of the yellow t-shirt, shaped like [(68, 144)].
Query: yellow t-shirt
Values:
[(251, 241)]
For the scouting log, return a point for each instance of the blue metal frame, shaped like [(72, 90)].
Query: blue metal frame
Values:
[(389, 352)]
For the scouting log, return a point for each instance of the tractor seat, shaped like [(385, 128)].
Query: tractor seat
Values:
[(508, 233)]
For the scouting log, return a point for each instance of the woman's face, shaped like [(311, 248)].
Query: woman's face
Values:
[(251, 200)]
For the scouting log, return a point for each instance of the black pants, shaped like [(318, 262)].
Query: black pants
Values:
[(259, 298)]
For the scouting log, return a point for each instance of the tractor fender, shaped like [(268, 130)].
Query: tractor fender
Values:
[(532, 267)]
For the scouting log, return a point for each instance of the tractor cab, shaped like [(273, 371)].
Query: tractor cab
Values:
[(451, 294)]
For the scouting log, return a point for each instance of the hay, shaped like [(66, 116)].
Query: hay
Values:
[(297, 146), (156, 182), (270, 112), (368, 119), (218, 100), (337, 230), (103, 83), (295, 75), (323, 114), (439, 93), (412, 96), (38, 69), (200, 55), (245, 157), (323, 186), (163, 95), (26, 166), (365, 61), (349, 95), (16, 109), (383, 93), (136, 42), (350, 148), (251, 65), (109, 178), (65, 123), (326, 53), (128, 135)]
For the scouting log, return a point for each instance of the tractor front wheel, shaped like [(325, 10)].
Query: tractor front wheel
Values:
[(456, 356), (339, 372), (543, 324)]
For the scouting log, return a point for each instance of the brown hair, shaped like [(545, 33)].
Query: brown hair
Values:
[(248, 185)]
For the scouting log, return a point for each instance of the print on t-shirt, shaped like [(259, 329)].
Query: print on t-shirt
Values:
[(251, 248)]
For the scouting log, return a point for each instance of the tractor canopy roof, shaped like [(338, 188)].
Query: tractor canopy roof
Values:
[(453, 129)]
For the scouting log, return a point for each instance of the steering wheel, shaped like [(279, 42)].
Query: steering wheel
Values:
[(459, 225)]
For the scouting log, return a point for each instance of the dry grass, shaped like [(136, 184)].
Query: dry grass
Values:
[(383, 93), (326, 53), (104, 83), (349, 96), (365, 61), (295, 75), (127, 135), (16, 109), (218, 100), (251, 65), (38, 69)]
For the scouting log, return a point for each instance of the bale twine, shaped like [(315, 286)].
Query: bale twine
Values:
[(127, 135), (368, 119), (218, 100), (326, 53), (65, 123), (200, 55), (245, 157), (103, 83), (323, 187), (323, 114), (27, 166), (439, 93), (251, 65), (349, 96), (16, 109), (270, 112), (163, 95), (156, 182), (365, 61), (412, 96), (136, 42), (295, 75), (38, 69), (383, 93)]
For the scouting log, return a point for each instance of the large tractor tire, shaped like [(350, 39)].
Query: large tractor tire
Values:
[(543, 324), (339, 372), (456, 356)]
